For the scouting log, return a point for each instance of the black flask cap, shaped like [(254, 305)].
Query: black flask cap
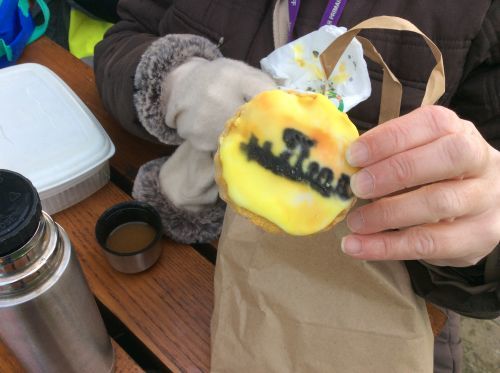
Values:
[(20, 211)]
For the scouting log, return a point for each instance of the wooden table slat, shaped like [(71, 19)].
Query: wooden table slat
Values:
[(168, 307), (124, 363)]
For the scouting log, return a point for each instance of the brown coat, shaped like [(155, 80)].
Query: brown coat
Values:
[(467, 32)]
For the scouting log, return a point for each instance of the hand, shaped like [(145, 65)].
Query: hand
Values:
[(447, 211), (186, 179), (201, 95)]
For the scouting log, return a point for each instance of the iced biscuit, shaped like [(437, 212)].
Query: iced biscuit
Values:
[(281, 162)]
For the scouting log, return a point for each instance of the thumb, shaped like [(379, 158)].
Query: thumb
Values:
[(172, 83)]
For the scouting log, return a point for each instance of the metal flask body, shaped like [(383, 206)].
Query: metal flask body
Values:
[(48, 316)]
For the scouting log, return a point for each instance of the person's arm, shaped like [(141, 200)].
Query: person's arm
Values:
[(133, 60), (118, 54), (177, 89), (445, 219)]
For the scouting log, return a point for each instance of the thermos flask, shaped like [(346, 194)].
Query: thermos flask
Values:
[(48, 316)]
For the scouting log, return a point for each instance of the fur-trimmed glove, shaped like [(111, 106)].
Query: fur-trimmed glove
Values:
[(190, 106), (200, 96)]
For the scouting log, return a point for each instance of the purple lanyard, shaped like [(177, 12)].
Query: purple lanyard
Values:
[(331, 14)]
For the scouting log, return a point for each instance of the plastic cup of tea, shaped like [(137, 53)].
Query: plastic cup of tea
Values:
[(130, 235)]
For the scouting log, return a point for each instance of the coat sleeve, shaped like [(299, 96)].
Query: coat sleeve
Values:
[(132, 61), (472, 291)]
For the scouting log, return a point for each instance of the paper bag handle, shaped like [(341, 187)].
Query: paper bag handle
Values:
[(391, 91)]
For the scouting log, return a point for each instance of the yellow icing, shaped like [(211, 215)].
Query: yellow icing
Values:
[(293, 206)]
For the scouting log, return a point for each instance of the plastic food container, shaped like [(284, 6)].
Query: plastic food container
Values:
[(48, 135)]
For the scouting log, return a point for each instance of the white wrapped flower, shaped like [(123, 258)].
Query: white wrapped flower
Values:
[(297, 66)]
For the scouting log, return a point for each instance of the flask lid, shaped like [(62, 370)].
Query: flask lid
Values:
[(20, 211)]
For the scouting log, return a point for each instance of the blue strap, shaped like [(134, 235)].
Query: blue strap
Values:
[(6, 50), (40, 29)]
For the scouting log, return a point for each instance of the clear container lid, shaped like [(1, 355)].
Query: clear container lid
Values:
[(46, 132)]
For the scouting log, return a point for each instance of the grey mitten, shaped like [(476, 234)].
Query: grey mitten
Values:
[(200, 96), (179, 224), (194, 100)]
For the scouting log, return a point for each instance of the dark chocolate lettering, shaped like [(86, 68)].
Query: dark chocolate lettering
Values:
[(343, 187), (298, 147)]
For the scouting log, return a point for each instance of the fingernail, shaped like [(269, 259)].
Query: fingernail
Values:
[(355, 221), (357, 154), (350, 245), (362, 183)]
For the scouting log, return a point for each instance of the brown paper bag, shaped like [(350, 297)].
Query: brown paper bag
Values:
[(298, 304)]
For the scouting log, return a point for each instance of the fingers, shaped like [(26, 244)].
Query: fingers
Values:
[(453, 220), (409, 131), (460, 243), (447, 157), (429, 204)]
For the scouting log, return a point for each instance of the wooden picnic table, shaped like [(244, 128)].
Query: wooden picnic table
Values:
[(160, 318)]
